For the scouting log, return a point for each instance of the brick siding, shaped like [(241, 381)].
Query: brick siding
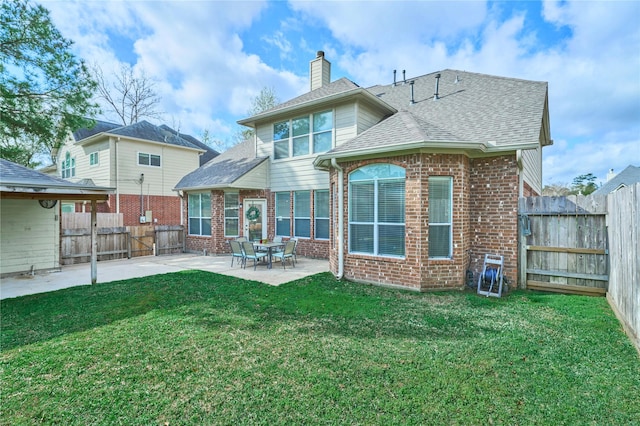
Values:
[(165, 210)]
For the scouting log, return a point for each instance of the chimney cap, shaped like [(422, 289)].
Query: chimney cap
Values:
[(320, 54)]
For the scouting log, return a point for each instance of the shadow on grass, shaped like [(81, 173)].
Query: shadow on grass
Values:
[(319, 302)]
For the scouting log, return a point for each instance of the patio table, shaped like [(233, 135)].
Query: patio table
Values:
[(269, 246)]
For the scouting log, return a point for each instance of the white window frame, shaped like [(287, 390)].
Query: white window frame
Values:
[(311, 135), (94, 158), (229, 209), (316, 218), (448, 213), (376, 224), (68, 168), (199, 215), (279, 216), (149, 157), (296, 217)]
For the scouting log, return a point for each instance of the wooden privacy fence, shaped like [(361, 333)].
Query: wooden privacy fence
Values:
[(623, 221), (115, 242), (563, 244)]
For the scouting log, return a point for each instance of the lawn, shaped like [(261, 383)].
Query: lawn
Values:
[(201, 348)]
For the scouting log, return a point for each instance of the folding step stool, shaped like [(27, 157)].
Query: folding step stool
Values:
[(491, 276)]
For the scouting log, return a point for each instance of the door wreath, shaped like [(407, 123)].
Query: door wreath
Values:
[(253, 213)]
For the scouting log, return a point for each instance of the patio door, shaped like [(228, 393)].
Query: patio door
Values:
[(255, 219)]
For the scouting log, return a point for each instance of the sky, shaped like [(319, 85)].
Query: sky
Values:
[(210, 59)]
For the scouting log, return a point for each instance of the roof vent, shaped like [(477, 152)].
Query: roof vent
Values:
[(394, 78), (412, 99), (404, 79), (457, 80), (435, 95)]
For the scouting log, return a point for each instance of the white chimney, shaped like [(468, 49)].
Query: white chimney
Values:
[(610, 175), (319, 71)]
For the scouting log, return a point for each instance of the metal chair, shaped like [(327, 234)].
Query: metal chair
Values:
[(288, 253), (251, 253), (236, 251)]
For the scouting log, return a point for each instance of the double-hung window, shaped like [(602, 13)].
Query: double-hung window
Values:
[(304, 135), (93, 158), (145, 159), (302, 214), (68, 166), (231, 217), (283, 214), (200, 213), (440, 216), (321, 214), (377, 210)]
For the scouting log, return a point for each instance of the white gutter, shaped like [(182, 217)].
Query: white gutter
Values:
[(115, 145), (340, 214)]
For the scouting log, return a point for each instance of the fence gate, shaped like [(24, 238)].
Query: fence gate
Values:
[(563, 244)]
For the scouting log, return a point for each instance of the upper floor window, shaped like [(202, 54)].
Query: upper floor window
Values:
[(377, 210), (93, 158), (68, 166), (304, 135), (148, 159)]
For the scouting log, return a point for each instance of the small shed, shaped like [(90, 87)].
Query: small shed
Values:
[(30, 218)]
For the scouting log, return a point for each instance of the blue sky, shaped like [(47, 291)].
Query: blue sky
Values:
[(211, 58)]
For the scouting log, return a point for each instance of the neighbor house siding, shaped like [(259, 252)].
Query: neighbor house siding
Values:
[(30, 236)]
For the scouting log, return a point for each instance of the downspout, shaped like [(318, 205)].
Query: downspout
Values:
[(116, 183), (340, 212), (520, 173)]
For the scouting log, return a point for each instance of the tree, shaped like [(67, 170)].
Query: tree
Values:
[(583, 184), (132, 97), (555, 190), (45, 91), (265, 100)]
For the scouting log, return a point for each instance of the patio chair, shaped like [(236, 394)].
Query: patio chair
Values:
[(295, 248), (241, 239), (289, 249), (250, 253), (236, 251), (277, 240)]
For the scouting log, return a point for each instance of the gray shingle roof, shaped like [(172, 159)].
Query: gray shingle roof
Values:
[(12, 174), (209, 153), (224, 169), (627, 177), (475, 108), (99, 127)]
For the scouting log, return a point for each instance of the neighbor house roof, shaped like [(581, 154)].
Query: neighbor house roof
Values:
[(474, 112), (224, 169), (17, 181), (627, 177), (142, 130), (209, 153)]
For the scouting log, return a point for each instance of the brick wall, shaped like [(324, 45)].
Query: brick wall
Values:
[(166, 209), (494, 212), (485, 194)]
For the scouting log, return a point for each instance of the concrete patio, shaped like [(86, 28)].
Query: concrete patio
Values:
[(114, 270)]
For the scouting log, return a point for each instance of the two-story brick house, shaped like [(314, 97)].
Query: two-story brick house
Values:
[(142, 161), (405, 184)]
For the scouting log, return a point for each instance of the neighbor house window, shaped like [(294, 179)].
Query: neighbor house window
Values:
[(148, 159), (283, 214), (302, 214), (231, 217), (377, 210), (440, 216), (93, 158), (68, 166), (200, 213), (321, 214), (303, 135)]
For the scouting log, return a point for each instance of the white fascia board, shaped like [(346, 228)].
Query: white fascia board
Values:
[(331, 99)]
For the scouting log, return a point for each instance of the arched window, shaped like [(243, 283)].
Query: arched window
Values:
[(376, 210), (68, 166)]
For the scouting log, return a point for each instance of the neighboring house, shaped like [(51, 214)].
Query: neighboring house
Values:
[(30, 217), (142, 161), (405, 184), (627, 177)]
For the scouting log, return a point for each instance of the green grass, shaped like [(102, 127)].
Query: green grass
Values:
[(201, 348)]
